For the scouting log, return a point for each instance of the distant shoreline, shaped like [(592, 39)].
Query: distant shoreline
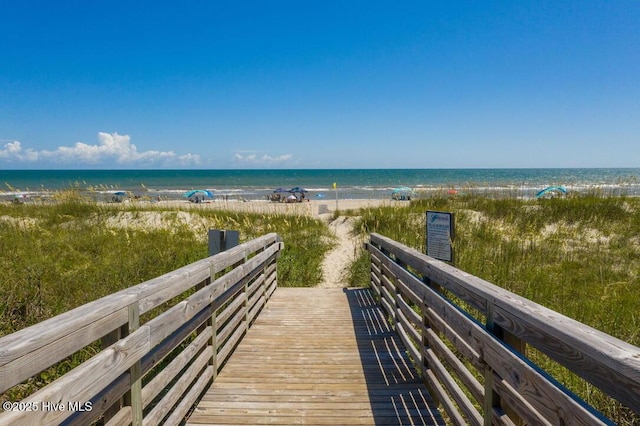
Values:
[(368, 184)]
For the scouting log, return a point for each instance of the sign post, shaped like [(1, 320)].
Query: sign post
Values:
[(440, 234)]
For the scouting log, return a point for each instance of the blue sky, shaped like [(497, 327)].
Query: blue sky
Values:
[(298, 84)]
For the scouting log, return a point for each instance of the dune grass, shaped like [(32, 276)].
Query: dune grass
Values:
[(578, 255), (54, 257)]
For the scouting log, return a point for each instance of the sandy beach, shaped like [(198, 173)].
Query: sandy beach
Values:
[(313, 208)]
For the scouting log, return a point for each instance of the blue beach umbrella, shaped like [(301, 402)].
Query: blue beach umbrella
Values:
[(280, 190), (552, 190), (402, 190), (402, 193), (198, 192), (298, 189), (120, 193)]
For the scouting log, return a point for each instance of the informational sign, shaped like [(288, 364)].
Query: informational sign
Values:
[(440, 233)]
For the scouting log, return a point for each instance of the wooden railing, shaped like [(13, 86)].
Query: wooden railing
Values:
[(473, 351), (163, 342)]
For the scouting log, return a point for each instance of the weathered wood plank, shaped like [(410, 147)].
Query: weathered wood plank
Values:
[(101, 378), (318, 356), (446, 356), (30, 351), (463, 403), (121, 418), (84, 381), (607, 362), (168, 373), (176, 393)]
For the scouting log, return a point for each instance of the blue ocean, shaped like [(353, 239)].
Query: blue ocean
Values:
[(350, 183)]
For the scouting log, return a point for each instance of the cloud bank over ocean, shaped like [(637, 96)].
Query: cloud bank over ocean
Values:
[(254, 159), (112, 149)]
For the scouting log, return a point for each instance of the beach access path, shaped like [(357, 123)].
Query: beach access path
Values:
[(337, 261)]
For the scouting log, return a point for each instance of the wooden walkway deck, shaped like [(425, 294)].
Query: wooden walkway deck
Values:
[(318, 356)]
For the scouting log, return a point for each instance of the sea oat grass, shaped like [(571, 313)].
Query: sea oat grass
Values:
[(57, 256), (578, 255)]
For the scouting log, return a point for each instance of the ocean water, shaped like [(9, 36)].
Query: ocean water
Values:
[(350, 183)]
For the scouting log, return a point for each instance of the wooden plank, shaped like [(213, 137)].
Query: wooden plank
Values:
[(159, 290), (228, 311), (121, 418), (197, 370), (465, 348), (168, 373), (181, 410), (410, 318), (449, 406), (445, 275), (453, 389), (231, 326), (26, 352), (224, 350), (446, 356), (318, 356), (607, 362), (84, 381), (35, 348), (154, 292), (166, 323)]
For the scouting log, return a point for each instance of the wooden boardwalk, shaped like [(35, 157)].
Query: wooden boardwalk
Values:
[(318, 356)]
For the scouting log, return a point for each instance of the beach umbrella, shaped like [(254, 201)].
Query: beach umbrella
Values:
[(120, 193), (552, 190), (204, 192), (402, 193), (402, 190), (280, 190), (298, 189)]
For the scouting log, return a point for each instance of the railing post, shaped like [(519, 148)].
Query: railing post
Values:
[(263, 286), (425, 342), (246, 302), (491, 398), (213, 340), (105, 342), (218, 241), (133, 397)]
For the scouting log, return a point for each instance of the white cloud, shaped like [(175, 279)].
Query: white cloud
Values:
[(260, 160), (111, 148), (13, 151)]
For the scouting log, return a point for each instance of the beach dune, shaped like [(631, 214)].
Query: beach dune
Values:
[(313, 208)]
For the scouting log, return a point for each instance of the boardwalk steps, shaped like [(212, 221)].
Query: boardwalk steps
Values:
[(318, 356)]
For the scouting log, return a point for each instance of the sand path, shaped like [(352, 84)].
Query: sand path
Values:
[(336, 263)]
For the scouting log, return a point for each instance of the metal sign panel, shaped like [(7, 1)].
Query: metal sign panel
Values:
[(440, 233)]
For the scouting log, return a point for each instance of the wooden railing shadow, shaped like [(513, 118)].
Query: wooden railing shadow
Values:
[(470, 340), (162, 343), (396, 392)]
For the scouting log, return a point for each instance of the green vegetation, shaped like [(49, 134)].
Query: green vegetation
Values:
[(577, 255), (54, 257)]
